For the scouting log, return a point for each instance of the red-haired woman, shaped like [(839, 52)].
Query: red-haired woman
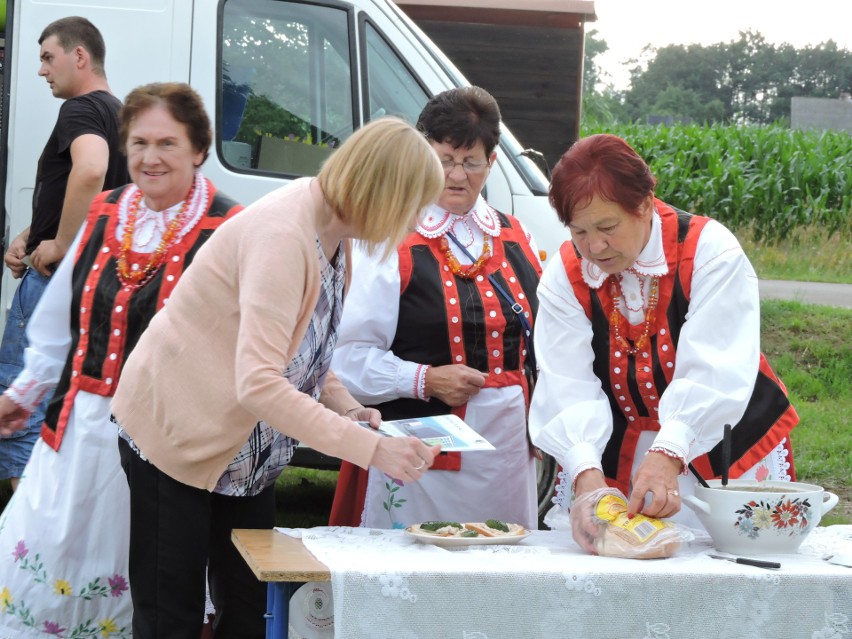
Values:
[(648, 336)]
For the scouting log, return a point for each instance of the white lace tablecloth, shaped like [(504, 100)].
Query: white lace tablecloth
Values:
[(385, 585)]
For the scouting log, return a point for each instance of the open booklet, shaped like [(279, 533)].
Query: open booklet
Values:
[(447, 430)]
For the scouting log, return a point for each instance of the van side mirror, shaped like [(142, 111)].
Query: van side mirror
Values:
[(538, 158)]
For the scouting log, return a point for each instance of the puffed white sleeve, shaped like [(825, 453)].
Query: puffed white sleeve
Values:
[(718, 353), (363, 359), (48, 336), (570, 417)]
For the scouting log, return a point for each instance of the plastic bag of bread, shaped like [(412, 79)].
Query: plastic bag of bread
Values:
[(600, 518)]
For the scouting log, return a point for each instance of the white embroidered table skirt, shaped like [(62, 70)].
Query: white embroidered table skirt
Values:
[(385, 585)]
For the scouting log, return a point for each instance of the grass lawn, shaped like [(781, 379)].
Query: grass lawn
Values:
[(810, 347), (808, 256), (303, 497)]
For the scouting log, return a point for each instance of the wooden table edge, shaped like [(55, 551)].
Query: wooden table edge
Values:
[(274, 556)]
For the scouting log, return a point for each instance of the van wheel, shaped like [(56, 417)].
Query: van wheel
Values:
[(546, 471)]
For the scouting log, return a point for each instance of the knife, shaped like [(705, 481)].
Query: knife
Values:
[(840, 560), (757, 563)]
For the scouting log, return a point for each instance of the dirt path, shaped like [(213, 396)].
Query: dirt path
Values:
[(807, 292)]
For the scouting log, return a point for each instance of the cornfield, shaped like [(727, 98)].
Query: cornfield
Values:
[(769, 180)]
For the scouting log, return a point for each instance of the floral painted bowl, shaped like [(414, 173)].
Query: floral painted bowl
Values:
[(748, 517)]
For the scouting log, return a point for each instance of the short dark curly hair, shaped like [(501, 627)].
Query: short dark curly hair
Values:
[(182, 102), (462, 117)]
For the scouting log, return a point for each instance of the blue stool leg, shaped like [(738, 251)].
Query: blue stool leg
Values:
[(278, 595)]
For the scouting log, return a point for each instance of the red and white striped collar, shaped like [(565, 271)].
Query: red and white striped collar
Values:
[(435, 221)]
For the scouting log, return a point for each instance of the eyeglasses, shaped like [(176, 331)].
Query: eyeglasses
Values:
[(471, 168)]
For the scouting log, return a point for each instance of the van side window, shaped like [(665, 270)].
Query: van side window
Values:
[(286, 86), (391, 87)]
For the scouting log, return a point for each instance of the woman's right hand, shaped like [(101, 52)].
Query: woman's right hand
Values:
[(454, 384), (585, 524), (12, 417), (404, 458)]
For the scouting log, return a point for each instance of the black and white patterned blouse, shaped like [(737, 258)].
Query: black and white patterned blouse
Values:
[(267, 451)]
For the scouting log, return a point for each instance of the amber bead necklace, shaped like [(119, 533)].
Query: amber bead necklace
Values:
[(466, 272)]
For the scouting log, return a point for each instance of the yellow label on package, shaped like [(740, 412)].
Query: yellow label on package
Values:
[(613, 509)]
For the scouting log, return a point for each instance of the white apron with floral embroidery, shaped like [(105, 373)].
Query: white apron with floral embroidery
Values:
[(492, 484), (67, 575)]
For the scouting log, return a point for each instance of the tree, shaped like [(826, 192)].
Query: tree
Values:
[(592, 48), (601, 103), (689, 75), (744, 81), (677, 102)]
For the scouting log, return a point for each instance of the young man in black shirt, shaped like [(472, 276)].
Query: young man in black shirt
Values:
[(82, 157)]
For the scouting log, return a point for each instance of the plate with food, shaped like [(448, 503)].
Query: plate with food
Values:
[(449, 534)]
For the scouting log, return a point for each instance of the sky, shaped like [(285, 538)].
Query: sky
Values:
[(628, 25)]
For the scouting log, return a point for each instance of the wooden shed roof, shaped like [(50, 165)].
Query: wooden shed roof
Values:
[(568, 14), (586, 7)]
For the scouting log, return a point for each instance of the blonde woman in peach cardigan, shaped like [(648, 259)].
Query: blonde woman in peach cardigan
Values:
[(240, 354)]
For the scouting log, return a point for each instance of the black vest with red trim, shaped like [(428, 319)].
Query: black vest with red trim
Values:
[(634, 383), (107, 316), (446, 319)]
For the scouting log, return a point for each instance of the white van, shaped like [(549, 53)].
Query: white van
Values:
[(285, 81)]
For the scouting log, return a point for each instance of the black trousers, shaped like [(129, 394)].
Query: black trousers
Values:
[(178, 534)]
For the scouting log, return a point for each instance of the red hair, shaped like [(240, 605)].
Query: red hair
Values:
[(600, 165)]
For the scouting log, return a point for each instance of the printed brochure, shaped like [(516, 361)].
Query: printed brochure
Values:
[(451, 432)]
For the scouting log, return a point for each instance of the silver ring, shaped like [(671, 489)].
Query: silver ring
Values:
[(422, 464), (674, 493)]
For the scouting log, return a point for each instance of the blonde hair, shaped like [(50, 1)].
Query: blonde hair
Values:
[(379, 180)]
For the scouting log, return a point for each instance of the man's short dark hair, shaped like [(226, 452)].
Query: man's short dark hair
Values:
[(75, 31)]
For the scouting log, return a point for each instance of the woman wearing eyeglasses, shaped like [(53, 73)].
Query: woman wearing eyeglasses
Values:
[(429, 332)]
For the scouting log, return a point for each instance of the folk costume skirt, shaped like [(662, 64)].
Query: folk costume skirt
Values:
[(64, 536)]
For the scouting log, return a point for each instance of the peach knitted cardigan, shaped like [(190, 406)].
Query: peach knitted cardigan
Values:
[(209, 366)]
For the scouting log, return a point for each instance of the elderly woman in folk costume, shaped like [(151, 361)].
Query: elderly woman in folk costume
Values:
[(649, 336), (432, 330), (64, 534)]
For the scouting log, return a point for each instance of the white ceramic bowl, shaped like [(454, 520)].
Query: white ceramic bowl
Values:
[(748, 517)]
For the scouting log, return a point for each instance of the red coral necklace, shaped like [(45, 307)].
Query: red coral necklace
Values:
[(617, 320)]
